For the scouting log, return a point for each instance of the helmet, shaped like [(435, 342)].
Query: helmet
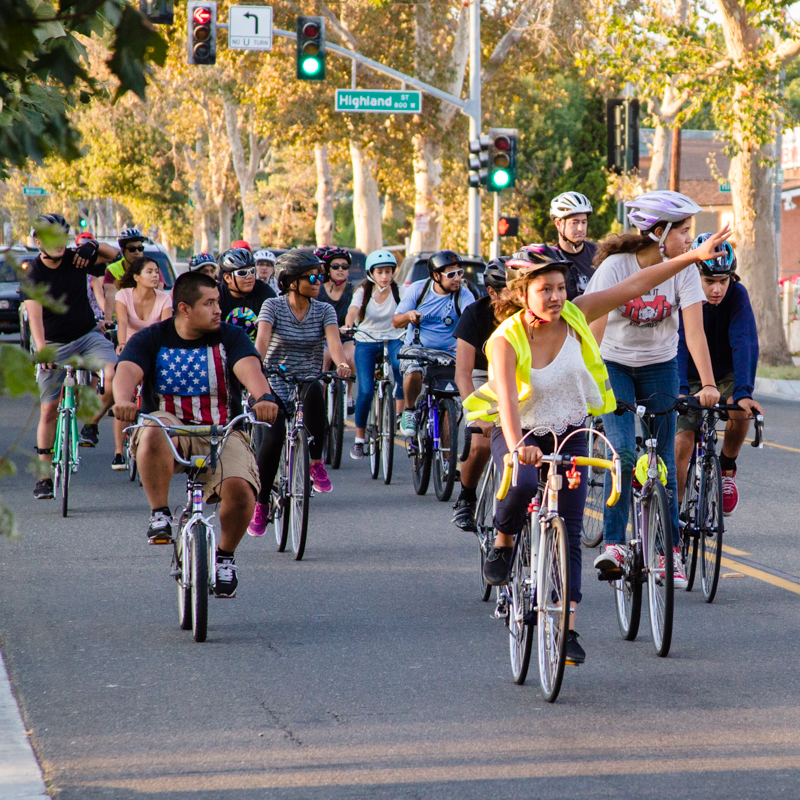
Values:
[(241, 243), (129, 235), (51, 219), (648, 209), (244, 318), (235, 258), (195, 262), (293, 264), (569, 203), (640, 473), (494, 275), (535, 258), (440, 261), (719, 266), (84, 237), (380, 258), (264, 255), (328, 254)]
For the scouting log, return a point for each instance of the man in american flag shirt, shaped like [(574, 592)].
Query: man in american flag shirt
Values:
[(192, 368)]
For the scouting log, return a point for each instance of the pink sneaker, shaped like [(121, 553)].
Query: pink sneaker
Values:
[(322, 483), (258, 525), (679, 579), (730, 494)]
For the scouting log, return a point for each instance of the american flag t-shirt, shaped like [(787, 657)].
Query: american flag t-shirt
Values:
[(192, 384)]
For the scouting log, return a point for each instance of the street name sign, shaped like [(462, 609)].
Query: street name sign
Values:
[(250, 27), (36, 191), (378, 101), (725, 186)]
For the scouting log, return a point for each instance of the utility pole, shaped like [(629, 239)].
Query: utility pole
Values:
[(495, 251), (474, 112)]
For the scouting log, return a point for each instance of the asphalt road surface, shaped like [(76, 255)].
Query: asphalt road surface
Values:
[(371, 669)]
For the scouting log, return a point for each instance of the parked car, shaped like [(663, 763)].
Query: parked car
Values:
[(9, 286), (415, 268)]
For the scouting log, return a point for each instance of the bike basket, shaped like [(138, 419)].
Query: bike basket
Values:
[(440, 379)]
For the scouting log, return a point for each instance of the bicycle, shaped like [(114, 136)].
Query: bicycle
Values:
[(335, 399), (701, 509), (537, 594), (592, 530), (195, 545), (435, 443), (127, 453)]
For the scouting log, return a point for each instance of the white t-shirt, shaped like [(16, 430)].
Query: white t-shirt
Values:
[(377, 318), (645, 330)]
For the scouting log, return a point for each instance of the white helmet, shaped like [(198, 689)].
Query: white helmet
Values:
[(265, 255), (648, 209), (567, 204)]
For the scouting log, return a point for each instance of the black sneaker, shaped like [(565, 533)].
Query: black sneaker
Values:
[(89, 436), (118, 464), (226, 577), (464, 515), (43, 489), (575, 653), (497, 567), (160, 530)]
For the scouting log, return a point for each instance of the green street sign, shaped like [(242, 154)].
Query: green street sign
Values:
[(725, 186), (378, 101), (36, 191)]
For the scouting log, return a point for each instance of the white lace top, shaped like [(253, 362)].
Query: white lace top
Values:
[(561, 391)]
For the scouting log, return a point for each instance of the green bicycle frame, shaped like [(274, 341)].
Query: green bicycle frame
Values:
[(67, 415)]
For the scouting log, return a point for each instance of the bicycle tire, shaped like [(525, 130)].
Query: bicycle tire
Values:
[(660, 585), (421, 459), (445, 459), (373, 437), (282, 491), (300, 488), (690, 516), (628, 589), (66, 463), (713, 527), (183, 560), (592, 527), (520, 613), (484, 519), (337, 424), (387, 427), (199, 565)]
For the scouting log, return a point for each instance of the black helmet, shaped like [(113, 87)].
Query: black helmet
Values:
[(236, 258), (494, 275), (129, 235), (440, 261), (51, 219), (290, 266), (328, 254), (197, 261), (721, 265), (535, 258)]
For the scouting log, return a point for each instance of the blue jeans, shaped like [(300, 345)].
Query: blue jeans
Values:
[(636, 385), (368, 354)]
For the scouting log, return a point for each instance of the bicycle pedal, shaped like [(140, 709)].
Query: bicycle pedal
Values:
[(572, 663), (161, 540), (610, 574)]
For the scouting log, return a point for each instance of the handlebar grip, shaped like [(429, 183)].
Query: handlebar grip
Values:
[(468, 431), (758, 437), (505, 480)]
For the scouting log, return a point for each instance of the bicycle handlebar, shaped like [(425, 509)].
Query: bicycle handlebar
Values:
[(421, 357), (289, 377)]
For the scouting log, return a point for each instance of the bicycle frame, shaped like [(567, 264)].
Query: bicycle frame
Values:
[(67, 416)]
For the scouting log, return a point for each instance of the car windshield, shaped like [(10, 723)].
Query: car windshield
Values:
[(7, 273)]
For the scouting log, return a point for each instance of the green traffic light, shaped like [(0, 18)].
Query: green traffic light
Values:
[(501, 178), (310, 66), (83, 223)]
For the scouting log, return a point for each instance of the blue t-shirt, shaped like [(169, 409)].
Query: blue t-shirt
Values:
[(439, 315)]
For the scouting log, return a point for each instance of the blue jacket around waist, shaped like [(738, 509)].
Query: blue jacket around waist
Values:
[(732, 339)]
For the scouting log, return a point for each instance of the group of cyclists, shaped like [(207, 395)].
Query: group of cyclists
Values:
[(563, 333)]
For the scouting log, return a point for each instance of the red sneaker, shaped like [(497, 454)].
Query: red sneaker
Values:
[(730, 494)]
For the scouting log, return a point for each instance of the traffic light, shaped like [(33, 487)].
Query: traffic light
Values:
[(311, 48), (508, 226), (159, 12), (502, 159), (202, 33), (479, 162), (622, 120)]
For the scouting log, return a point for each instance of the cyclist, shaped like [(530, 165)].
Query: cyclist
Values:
[(205, 263), (241, 294), (191, 367), (339, 294), (62, 272), (640, 345), (292, 330), (372, 307), (546, 371), (570, 214), (265, 268), (730, 329), (131, 245), (477, 324), (434, 307)]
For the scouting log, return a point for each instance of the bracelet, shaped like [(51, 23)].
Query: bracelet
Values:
[(708, 386), (266, 397), (344, 364)]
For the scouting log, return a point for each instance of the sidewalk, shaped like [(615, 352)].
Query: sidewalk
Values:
[(771, 387), (20, 776)]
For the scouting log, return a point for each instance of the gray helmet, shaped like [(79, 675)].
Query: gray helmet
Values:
[(235, 258), (52, 220), (290, 266), (129, 235), (494, 275)]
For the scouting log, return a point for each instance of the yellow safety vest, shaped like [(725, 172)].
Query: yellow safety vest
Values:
[(482, 403), (117, 269)]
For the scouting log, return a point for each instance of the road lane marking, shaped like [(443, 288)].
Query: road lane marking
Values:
[(775, 580), (779, 446)]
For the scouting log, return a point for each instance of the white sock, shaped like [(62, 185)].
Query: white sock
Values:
[(359, 440)]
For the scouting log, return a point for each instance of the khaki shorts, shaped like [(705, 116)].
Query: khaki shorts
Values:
[(691, 421), (236, 461)]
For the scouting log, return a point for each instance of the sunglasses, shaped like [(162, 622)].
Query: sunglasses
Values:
[(456, 273), (139, 249), (314, 279), (344, 266), (247, 272)]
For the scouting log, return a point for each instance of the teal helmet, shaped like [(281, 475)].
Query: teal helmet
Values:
[(379, 258)]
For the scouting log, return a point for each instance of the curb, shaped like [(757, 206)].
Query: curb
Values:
[(771, 387), (20, 775)]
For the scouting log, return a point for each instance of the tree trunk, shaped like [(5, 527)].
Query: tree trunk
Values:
[(366, 202), (427, 203), (207, 233), (753, 197), (224, 214), (325, 222), (658, 176)]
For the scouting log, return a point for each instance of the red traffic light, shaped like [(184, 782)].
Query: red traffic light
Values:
[(502, 143), (202, 15), (311, 30)]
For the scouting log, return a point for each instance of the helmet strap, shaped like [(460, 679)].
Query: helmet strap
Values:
[(532, 322), (662, 248), (337, 285)]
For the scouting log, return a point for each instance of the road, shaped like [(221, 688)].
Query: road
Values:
[(371, 669)]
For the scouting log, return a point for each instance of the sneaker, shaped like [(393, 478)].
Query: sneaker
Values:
[(351, 406), (730, 494), (575, 653), (89, 436), (612, 558), (464, 515), (320, 479), (408, 423), (160, 530), (398, 418), (227, 581), (118, 464), (258, 525), (497, 567), (44, 489), (357, 451), (679, 579)]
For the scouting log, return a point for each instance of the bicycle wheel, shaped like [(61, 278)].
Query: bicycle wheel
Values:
[(183, 577), (712, 527), (300, 487), (660, 587), (336, 423), (199, 564), (374, 436), (387, 427), (280, 491), (628, 589), (484, 519), (445, 462), (690, 517), (592, 529), (65, 466), (552, 592), (520, 613), (421, 459)]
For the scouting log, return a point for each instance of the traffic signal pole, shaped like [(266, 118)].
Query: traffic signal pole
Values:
[(495, 251)]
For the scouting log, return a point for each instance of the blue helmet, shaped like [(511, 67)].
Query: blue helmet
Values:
[(197, 261), (380, 258), (721, 265)]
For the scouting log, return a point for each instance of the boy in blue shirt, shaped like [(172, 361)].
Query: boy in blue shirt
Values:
[(434, 306), (730, 328)]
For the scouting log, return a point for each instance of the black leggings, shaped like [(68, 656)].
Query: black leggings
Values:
[(269, 454)]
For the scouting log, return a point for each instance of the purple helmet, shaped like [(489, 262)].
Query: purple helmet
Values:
[(647, 210)]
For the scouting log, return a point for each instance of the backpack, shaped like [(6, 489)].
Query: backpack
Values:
[(424, 293)]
